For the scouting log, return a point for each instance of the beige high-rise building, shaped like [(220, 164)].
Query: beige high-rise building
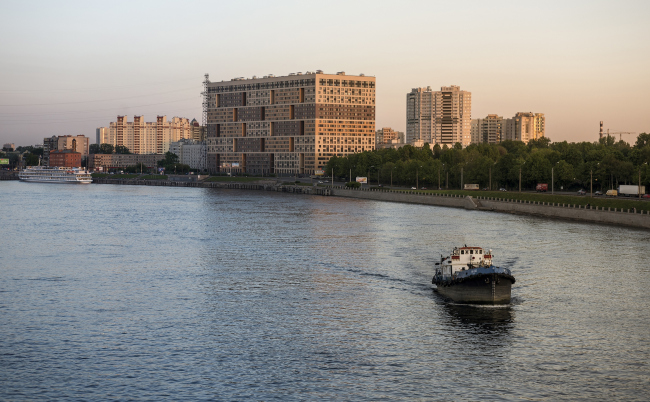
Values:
[(288, 125), (494, 129), (525, 126), (142, 137), (439, 117), (489, 130)]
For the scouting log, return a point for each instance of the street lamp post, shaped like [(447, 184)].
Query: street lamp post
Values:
[(552, 181), (490, 186), (378, 171), (461, 178), (645, 163)]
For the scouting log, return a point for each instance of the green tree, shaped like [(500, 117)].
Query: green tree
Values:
[(93, 149), (31, 159), (121, 149), (170, 159), (106, 148)]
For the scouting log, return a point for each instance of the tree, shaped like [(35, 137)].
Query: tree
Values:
[(106, 148), (121, 149), (137, 168), (93, 149), (642, 140), (31, 159), (170, 159)]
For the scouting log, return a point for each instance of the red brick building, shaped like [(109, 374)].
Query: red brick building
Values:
[(65, 158)]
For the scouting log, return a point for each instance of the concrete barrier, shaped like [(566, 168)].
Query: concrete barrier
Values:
[(570, 212)]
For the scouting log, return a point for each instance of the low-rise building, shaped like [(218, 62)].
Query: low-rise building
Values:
[(387, 135), (65, 158), (190, 152), (77, 143), (115, 161)]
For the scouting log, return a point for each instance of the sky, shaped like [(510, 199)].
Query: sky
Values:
[(68, 67)]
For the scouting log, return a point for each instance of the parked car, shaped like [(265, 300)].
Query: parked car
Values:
[(582, 192), (423, 188), (413, 188), (645, 196), (502, 189), (598, 193)]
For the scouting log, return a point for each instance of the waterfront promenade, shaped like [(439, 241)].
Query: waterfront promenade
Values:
[(593, 214)]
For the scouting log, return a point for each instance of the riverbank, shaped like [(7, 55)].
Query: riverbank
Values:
[(584, 213), (565, 211)]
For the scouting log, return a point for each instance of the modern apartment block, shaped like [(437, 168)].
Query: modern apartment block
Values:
[(77, 143), (439, 117), (387, 135), (490, 130), (190, 152), (527, 126), (493, 129), (142, 137), (288, 125)]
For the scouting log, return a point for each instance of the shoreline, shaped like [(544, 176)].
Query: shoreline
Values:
[(629, 218)]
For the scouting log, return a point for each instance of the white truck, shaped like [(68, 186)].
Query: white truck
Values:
[(628, 190)]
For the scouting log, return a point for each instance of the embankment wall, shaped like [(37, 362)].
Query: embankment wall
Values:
[(557, 211)]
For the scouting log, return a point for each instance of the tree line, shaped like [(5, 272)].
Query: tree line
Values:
[(108, 149), (606, 163)]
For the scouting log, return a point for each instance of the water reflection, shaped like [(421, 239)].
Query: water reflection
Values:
[(478, 319)]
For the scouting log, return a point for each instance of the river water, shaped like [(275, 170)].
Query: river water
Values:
[(149, 293)]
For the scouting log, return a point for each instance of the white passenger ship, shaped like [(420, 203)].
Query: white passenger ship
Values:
[(55, 174)]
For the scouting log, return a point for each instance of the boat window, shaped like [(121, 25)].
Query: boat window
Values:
[(462, 251), (471, 251), (480, 251)]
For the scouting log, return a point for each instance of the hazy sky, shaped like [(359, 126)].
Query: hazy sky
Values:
[(68, 67)]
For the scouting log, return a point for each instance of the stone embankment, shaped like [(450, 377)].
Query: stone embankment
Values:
[(629, 217), (268, 185), (543, 209), (5, 175)]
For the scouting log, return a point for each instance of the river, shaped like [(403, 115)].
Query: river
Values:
[(149, 293)]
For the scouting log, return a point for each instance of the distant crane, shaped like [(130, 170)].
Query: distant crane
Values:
[(621, 133)]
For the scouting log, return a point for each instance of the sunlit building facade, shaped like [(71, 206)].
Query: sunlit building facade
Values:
[(489, 130), (142, 137), (439, 117), (288, 125), (527, 126)]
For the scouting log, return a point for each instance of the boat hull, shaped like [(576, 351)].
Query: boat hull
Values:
[(481, 289), (57, 181)]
